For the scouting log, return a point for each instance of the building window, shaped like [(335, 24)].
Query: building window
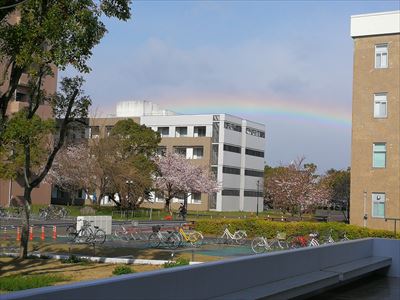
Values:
[(254, 173), (378, 205), (198, 152), (94, 132), (214, 154), (215, 132), (255, 132), (162, 151), (181, 151), (252, 193), (380, 106), (181, 131), (231, 170), (196, 198), (379, 155), (108, 130), (163, 131), (381, 56), (232, 126), (199, 131), (230, 192), (254, 152), (231, 148)]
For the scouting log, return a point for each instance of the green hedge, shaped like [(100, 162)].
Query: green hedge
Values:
[(269, 229)]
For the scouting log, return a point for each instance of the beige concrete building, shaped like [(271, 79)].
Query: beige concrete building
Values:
[(375, 165)]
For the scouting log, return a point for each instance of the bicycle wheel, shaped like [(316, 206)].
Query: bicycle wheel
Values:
[(196, 238), (154, 240), (173, 240), (87, 235), (283, 244), (259, 245), (274, 245), (71, 233), (240, 237), (99, 236)]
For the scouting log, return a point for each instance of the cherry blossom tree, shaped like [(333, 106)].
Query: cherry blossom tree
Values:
[(177, 176), (296, 188)]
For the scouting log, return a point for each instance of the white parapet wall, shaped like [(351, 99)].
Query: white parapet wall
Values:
[(103, 222), (375, 24)]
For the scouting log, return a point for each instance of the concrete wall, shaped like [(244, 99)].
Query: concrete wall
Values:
[(213, 279)]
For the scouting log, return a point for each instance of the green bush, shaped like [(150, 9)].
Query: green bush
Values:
[(178, 263), (269, 229), (73, 259), (24, 282), (123, 269)]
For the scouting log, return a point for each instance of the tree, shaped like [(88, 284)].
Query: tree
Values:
[(296, 189), (120, 163), (339, 183), (177, 176), (35, 38)]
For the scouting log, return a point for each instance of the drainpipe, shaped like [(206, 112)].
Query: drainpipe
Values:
[(365, 209)]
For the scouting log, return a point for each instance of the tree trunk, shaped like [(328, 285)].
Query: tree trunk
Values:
[(167, 206), (23, 251)]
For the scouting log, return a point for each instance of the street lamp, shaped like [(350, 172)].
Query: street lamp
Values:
[(258, 188)]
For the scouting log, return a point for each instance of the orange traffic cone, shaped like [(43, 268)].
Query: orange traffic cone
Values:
[(18, 234), (31, 233), (42, 235)]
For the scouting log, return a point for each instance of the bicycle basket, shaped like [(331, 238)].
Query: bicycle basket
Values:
[(281, 235), (156, 228)]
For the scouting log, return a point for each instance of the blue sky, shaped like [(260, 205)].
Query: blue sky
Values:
[(219, 56)]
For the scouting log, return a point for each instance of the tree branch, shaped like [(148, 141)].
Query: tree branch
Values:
[(63, 131)]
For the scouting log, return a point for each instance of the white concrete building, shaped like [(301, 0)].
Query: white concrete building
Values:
[(233, 147)]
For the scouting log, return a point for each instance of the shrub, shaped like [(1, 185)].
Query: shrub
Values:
[(120, 270), (24, 282), (269, 229), (73, 259), (87, 211), (178, 263)]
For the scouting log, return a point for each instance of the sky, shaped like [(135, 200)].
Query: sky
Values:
[(286, 64)]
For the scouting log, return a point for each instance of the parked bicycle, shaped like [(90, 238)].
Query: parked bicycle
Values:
[(195, 238), (52, 212), (157, 238), (127, 233), (261, 244), (86, 234), (239, 237)]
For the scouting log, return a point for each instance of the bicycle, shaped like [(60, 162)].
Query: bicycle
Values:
[(52, 212), (313, 242), (195, 238), (261, 244), (170, 238), (238, 236), (86, 234)]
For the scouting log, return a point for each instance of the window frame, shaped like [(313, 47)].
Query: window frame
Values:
[(376, 152), (196, 156), (373, 201), (376, 100), (380, 46)]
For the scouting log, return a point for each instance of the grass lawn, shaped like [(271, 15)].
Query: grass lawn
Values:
[(18, 274)]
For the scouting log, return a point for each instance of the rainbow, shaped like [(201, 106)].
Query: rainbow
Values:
[(263, 109)]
